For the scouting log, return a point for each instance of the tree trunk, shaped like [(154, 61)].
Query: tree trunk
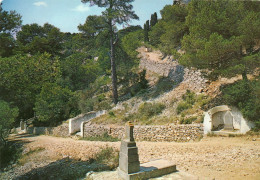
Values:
[(113, 64), (244, 73), (244, 76)]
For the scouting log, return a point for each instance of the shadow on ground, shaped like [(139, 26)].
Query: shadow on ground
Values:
[(64, 169), (11, 152)]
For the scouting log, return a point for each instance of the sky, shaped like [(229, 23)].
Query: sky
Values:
[(68, 14)]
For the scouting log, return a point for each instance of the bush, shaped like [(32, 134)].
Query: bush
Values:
[(109, 157), (183, 106), (7, 118), (105, 137), (245, 95), (9, 153), (54, 104), (189, 98), (188, 120), (150, 109)]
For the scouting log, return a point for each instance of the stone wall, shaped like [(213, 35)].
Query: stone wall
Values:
[(178, 133), (75, 123), (166, 69), (60, 131)]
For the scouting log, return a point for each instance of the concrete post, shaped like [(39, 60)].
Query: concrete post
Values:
[(128, 156)]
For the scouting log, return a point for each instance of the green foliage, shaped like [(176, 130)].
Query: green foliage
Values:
[(245, 95), (173, 18), (108, 156), (168, 32), (92, 98), (78, 71), (104, 137), (187, 120), (22, 78), (148, 110), (111, 114), (153, 20), (146, 31), (9, 153), (36, 39), (9, 24), (162, 86), (155, 34), (54, 104), (131, 42), (222, 36), (7, 118), (183, 106), (189, 98)]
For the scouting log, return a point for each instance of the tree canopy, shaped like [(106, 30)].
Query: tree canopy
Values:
[(222, 37)]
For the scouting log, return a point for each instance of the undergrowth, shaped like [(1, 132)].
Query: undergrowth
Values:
[(105, 137)]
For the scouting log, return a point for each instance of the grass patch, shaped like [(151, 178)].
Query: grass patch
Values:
[(146, 112), (105, 137), (108, 156), (188, 120), (25, 158), (9, 153)]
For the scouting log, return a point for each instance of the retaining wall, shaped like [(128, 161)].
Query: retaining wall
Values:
[(75, 123), (60, 131), (178, 133)]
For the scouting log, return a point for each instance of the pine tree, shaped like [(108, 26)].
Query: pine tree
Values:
[(153, 19), (223, 37), (117, 12), (146, 38)]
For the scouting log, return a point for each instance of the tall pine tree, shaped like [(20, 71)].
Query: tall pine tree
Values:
[(117, 12)]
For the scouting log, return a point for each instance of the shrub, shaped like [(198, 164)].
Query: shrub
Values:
[(189, 99), (9, 153), (244, 95), (54, 104), (7, 118), (104, 137), (183, 106), (111, 114), (188, 120), (150, 109), (108, 156)]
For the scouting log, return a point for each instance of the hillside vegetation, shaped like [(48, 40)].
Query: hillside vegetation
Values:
[(48, 76)]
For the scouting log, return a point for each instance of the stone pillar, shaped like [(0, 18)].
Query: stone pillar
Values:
[(128, 156), (22, 125)]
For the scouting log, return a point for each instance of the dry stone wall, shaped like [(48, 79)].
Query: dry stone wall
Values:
[(60, 131), (178, 133), (167, 69)]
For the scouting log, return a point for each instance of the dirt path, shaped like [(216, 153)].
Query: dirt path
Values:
[(213, 157)]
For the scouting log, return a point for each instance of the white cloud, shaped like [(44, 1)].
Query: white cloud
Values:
[(40, 3), (81, 8), (1, 1)]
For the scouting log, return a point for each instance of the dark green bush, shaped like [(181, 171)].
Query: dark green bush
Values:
[(188, 120), (189, 98), (9, 153), (245, 95), (183, 106), (104, 137), (150, 109)]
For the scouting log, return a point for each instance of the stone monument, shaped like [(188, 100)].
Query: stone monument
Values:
[(128, 156), (129, 165)]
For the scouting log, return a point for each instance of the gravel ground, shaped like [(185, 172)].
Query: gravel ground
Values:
[(211, 158)]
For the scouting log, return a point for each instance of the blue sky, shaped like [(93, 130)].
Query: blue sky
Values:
[(68, 14)]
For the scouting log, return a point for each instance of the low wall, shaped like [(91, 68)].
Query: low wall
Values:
[(178, 133), (75, 123), (60, 131)]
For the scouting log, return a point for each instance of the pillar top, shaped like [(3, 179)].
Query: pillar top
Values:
[(129, 123)]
